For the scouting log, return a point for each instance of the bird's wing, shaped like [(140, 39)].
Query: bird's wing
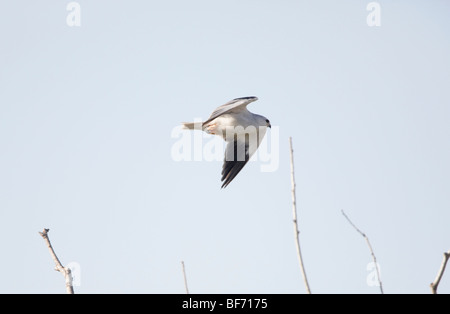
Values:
[(235, 105), (237, 154)]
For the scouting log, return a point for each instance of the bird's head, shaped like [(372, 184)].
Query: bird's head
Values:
[(263, 121)]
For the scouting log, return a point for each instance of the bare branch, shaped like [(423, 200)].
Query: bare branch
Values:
[(434, 285), (185, 279), (59, 267), (294, 213), (370, 248)]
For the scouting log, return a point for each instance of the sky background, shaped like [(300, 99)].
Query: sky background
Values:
[(87, 113)]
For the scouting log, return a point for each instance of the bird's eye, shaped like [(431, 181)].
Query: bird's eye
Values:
[(267, 121)]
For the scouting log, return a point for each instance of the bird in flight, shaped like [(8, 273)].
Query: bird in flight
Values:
[(241, 129)]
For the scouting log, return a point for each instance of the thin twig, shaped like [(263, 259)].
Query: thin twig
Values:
[(59, 267), (185, 279), (294, 213), (434, 285), (380, 284)]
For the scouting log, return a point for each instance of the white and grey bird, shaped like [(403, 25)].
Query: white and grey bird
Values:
[(241, 129)]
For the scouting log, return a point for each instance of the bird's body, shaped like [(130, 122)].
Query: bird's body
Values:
[(240, 128)]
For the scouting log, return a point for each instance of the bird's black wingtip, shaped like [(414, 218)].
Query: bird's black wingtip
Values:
[(253, 98), (225, 184)]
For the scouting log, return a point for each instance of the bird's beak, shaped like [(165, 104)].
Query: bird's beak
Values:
[(268, 125)]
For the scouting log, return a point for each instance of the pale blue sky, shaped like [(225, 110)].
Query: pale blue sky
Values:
[(86, 115)]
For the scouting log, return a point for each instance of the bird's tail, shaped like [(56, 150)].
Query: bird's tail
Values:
[(192, 125)]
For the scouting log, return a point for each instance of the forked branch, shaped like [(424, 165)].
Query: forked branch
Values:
[(59, 267)]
